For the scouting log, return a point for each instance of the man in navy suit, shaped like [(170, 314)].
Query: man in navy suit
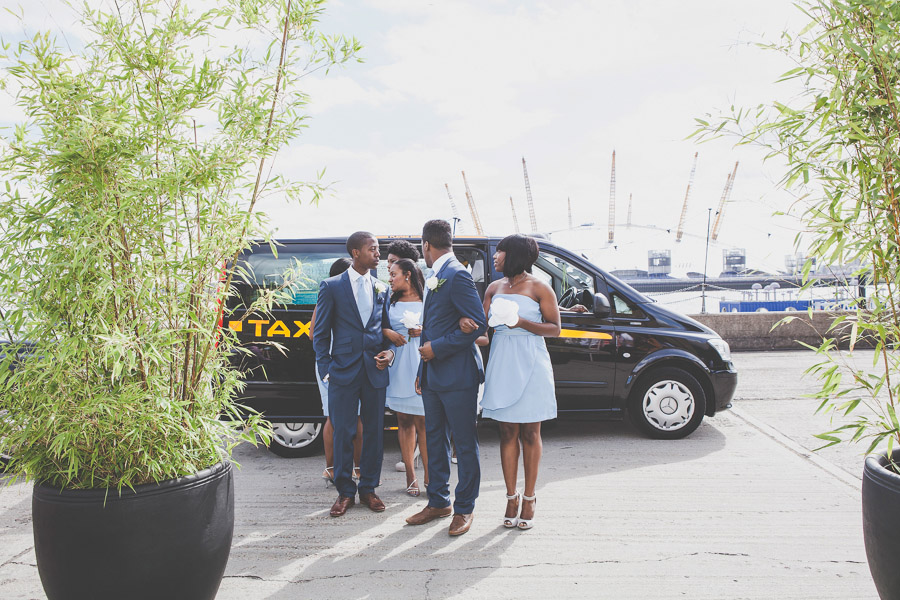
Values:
[(352, 355), (449, 375)]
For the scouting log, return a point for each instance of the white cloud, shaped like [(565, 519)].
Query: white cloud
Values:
[(333, 91)]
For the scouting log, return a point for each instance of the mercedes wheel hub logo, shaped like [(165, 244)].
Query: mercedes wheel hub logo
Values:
[(668, 405)]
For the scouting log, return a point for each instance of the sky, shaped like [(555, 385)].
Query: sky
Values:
[(475, 86)]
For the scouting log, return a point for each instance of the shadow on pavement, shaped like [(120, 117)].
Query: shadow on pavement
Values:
[(285, 537)]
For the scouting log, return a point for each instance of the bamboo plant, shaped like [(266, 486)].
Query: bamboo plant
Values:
[(128, 193), (839, 138)]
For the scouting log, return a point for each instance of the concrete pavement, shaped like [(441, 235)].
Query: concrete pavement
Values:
[(737, 510)]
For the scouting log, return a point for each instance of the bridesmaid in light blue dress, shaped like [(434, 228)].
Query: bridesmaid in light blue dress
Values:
[(519, 387), (407, 284)]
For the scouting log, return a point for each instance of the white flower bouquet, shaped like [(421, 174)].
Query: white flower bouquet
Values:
[(503, 312)]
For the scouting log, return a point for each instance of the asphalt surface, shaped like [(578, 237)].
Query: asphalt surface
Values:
[(740, 509)]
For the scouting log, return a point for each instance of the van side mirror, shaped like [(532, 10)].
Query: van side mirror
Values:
[(601, 306)]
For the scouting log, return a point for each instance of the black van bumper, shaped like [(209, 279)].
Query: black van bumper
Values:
[(723, 383)]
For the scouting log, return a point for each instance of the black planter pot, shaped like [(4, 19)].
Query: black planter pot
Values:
[(168, 540), (881, 523)]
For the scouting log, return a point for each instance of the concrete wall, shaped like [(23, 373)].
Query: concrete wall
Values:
[(753, 331)]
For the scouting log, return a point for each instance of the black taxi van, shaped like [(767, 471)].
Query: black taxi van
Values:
[(625, 355)]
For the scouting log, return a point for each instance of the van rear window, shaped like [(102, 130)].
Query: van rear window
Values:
[(299, 273)]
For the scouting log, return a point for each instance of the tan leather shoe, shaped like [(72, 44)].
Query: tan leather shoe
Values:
[(429, 514), (341, 505), (461, 523), (372, 501)]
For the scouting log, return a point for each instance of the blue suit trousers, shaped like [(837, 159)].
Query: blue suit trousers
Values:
[(343, 401), (452, 412)]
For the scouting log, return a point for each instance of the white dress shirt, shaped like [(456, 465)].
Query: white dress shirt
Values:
[(436, 266)]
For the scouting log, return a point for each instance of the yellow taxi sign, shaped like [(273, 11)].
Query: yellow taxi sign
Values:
[(264, 328)]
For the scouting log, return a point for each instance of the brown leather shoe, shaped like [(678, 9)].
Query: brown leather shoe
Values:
[(372, 501), (429, 514), (461, 523), (341, 505)]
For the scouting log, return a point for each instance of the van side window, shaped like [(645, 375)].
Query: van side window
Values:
[(623, 308), (571, 285), (298, 274), (473, 260)]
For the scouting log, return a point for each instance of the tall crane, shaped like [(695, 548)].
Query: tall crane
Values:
[(726, 194), (530, 201), (472, 209), (612, 201), (628, 224), (569, 200), (453, 208), (687, 193), (513, 208)]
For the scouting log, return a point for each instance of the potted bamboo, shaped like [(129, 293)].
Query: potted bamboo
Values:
[(134, 180), (838, 138)]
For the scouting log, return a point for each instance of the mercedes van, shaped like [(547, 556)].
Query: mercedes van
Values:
[(626, 355)]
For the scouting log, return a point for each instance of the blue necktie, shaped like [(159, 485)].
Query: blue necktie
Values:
[(363, 300)]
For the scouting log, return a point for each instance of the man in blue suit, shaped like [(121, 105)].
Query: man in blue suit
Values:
[(352, 355), (449, 375)]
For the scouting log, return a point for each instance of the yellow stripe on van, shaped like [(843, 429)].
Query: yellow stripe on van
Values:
[(590, 335)]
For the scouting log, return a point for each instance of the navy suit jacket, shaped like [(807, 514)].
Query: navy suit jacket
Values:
[(343, 343), (457, 360)]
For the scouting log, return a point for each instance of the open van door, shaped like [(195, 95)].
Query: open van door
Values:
[(584, 356)]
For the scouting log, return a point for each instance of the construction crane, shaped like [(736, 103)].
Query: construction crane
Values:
[(453, 208), (687, 193), (569, 200), (612, 201), (513, 208), (726, 194), (628, 224), (530, 201), (475, 220)]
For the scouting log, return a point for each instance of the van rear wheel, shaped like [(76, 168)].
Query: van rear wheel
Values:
[(667, 404), (295, 440)]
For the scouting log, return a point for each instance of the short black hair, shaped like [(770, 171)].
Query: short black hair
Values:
[(356, 241), (339, 266), (438, 233), (403, 249), (521, 252)]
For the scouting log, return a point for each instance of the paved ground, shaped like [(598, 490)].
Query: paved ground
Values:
[(738, 510)]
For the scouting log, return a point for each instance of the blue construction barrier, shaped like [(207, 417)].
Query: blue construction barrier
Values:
[(766, 305)]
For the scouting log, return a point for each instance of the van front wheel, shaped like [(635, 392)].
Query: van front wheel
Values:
[(295, 440), (667, 404)]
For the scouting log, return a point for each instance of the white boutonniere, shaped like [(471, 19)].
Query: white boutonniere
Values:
[(380, 287), (433, 283)]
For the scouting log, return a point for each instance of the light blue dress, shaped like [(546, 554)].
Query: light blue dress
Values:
[(401, 392), (518, 385)]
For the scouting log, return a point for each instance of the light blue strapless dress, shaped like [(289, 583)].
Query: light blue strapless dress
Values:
[(518, 385), (401, 393)]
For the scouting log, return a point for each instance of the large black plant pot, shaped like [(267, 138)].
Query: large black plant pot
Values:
[(881, 523), (160, 541)]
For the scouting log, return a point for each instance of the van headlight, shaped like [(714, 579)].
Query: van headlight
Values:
[(721, 346)]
